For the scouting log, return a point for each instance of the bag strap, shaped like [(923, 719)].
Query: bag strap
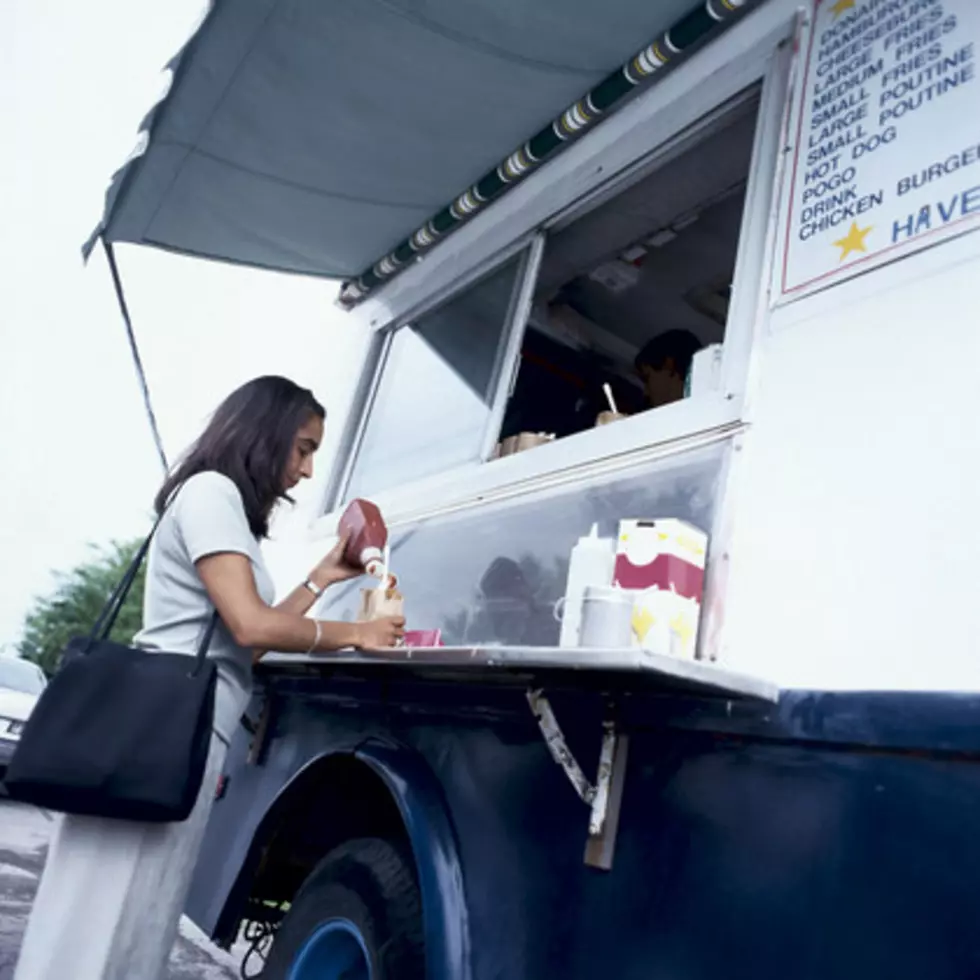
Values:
[(202, 650), (110, 611)]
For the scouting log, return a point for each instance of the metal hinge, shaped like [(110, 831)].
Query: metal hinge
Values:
[(604, 796)]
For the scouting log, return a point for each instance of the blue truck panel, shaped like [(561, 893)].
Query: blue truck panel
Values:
[(831, 835)]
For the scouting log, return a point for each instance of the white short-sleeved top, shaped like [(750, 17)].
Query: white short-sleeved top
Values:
[(207, 517)]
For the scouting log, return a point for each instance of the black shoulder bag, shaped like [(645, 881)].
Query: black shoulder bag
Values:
[(119, 732)]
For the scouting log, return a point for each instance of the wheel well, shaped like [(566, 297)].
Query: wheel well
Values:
[(333, 800)]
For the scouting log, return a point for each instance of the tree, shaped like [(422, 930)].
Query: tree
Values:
[(72, 609)]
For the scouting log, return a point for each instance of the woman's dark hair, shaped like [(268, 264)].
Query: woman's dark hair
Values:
[(249, 439)]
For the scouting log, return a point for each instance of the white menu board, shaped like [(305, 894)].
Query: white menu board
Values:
[(887, 137)]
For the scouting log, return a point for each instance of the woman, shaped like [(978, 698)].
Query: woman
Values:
[(112, 892)]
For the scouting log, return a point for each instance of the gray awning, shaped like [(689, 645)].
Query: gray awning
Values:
[(316, 137)]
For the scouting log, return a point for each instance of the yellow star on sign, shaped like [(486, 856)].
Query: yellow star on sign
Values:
[(840, 6), (853, 241)]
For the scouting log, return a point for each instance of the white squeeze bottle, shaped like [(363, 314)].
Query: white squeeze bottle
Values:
[(592, 562)]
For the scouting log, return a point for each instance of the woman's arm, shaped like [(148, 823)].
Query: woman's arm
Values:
[(230, 583), (332, 570), (299, 602)]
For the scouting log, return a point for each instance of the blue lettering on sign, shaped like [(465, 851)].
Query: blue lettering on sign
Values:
[(944, 213), (959, 206), (936, 171), (905, 98), (832, 211)]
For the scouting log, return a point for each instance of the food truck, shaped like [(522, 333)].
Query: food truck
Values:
[(775, 770)]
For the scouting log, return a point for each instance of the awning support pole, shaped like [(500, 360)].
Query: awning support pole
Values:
[(135, 352)]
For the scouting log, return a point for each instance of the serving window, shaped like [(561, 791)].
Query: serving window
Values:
[(625, 313), (631, 303)]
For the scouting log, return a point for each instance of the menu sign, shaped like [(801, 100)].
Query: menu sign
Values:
[(887, 149)]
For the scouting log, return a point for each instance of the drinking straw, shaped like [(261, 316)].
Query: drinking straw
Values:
[(609, 398)]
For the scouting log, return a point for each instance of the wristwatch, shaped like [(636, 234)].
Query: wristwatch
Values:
[(314, 588)]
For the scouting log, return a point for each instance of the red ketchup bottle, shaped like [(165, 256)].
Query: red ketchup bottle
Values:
[(368, 536)]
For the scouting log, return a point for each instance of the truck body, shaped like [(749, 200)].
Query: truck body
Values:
[(801, 190)]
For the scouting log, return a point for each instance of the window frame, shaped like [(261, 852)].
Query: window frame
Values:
[(755, 51), (529, 250), (509, 351)]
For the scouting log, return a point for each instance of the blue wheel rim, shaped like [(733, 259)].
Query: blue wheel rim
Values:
[(335, 951)]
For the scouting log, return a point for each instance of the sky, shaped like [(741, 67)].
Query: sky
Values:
[(77, 462)]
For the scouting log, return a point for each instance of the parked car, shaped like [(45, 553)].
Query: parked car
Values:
[(21, 684)]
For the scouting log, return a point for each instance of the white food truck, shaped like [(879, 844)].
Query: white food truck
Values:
[(797, 187)]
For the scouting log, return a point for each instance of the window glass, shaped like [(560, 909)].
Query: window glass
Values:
[(631, 303), (433, 401), (492, 575)]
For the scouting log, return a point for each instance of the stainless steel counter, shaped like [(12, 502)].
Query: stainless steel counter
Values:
[(524, 665)]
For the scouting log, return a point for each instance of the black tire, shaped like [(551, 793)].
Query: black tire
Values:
[(369, 883)]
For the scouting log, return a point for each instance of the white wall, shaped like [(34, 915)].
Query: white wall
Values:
[(856, 553)]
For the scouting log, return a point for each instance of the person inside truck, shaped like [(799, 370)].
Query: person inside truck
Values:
[(663, 365)]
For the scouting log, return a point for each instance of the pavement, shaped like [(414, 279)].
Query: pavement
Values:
[(24, 833)]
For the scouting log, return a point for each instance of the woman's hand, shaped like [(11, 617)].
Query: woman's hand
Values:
[(334, 568), (381, 634)]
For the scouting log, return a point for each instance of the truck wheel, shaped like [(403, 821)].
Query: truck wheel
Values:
[(357, 917)]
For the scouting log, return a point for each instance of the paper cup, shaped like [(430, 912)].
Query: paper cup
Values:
[(606, 618), (378, 603), (508, 447), (529, 440), (666, 623)]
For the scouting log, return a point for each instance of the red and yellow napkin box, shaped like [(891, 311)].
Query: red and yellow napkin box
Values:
[(665, 554), (663, 562)]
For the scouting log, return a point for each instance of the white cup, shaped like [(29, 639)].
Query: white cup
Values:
[(607, 618)]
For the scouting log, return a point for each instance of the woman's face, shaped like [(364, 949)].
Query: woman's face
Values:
[(305, 443)]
